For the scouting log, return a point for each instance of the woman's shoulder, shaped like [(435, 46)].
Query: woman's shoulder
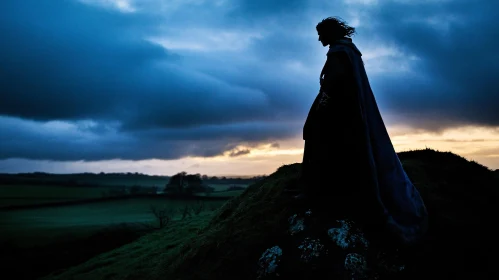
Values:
[(344, 45), (338, 61)]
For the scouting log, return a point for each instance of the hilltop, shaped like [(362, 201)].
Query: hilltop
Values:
[(262, 233)]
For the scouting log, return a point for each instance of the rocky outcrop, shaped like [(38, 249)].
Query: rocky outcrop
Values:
[(336, 248)]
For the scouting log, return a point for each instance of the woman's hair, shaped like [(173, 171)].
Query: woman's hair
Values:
[(335, 27)]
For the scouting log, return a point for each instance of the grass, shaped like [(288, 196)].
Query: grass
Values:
[(138, 259), (461, 197)]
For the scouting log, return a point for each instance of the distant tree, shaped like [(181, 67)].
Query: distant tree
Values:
[(183, 183), (204, 177), (194, 184), (194, 179), (177, 183)]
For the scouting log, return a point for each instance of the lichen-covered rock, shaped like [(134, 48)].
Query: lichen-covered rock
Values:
[(311, 250), (269, 261), (336, 248), (347, 236)]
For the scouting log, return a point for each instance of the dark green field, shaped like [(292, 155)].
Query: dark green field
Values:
[(43, 226), (24, 195), (33, 194), (88, 179)]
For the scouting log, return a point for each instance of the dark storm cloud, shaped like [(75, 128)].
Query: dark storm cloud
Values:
[(73, 62), (256, 10), (269, 7), (64, 60), (455, 80), (93, 67), (100, 141)]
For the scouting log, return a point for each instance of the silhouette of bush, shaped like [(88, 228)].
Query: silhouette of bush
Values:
[(164, 215)]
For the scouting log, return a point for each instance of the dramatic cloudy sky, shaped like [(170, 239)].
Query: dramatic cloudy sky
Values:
[(224, 86)]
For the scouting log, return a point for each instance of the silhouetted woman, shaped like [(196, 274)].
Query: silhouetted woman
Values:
[(349, 162)]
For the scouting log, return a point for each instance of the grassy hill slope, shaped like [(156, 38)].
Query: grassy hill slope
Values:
[(461, 197)]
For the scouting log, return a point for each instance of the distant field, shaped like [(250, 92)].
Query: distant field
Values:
[(84, 180), (26, 195), (115, 179), (16, 195), (223, 187), (46, 225), (124, 181)]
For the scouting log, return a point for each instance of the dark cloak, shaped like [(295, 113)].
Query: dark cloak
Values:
[(349, 138)]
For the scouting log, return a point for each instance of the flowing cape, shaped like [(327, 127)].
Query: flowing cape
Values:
[(397, 200)]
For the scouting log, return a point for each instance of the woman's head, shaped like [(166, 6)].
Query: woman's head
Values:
[(333, 28)]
